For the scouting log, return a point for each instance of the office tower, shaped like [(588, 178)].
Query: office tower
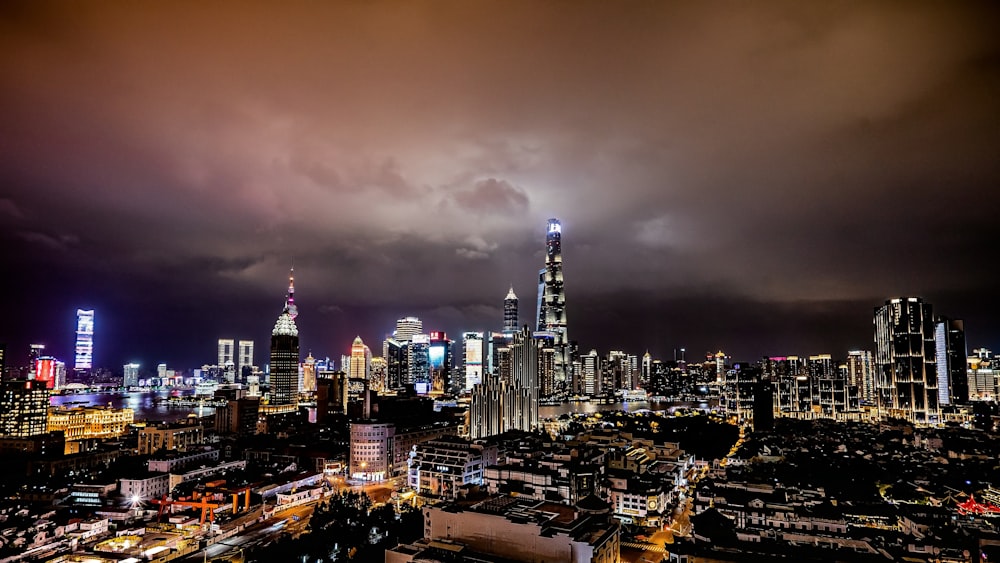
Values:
[(84, 340), (472, 358), (905, 360), (60, 375), (244, 365), (45, 371), (407, 328), (499, 405), (35, 351), (440, 358), (720, 367), (510, 311), (130, 377), (396, 368), (861, 374), (486, 408), (418, 363), (309, 374), (284, 359), (24, 408), (546, 367), (290, 307), (522, 395), (361, 358), (647, 370), (552, 299), (952, 360), (377, 375), (227, 360), (591, 376), (3, 360)]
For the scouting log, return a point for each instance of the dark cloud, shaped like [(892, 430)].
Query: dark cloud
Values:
[(170, 161), (492, 196)]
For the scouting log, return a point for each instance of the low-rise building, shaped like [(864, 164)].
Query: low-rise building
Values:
[(170, 437), (441, 467), (507, 528)]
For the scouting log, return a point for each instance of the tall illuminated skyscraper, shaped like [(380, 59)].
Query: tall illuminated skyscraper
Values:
[(84, 340), (952, 360), (130, 375), (510, 311), (552, 300), (407, 328), (284, 359), (35, 351), (473, 346), (244, 365), (361, 359), (906, 378), (227, 361)]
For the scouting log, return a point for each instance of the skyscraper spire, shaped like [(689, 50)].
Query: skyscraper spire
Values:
[(290, 307), (510, 311)]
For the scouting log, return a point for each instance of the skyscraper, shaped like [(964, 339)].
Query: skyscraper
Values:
[(952, 360), (407, 328), (361, 359), (35, 351), (244, 367), (510, 311), (284, 359), (905, 360), (440, 358), (552, 300), (472, 358), (861, 374), (130, 375), (227, 361), (508, 400), (84, 340)]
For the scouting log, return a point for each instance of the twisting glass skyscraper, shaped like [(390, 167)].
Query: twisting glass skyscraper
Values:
[(552, 300)]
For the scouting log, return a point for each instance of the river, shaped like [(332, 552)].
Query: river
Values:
[(144, 403)]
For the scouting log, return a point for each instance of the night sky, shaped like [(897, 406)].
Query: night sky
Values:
[(750, 176)]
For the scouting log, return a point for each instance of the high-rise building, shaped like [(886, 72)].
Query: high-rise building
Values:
[(440, 358), (244, 365), (418, 363), (24, 408), (395, 353), (647, 370), (309, 374), (84, 340), (591, 374), (510, 311), (952, 360), (284, 359), (472, 358), (377, 375), (508, 400), (3, 360), (552, 300), (227, 360), (407, 328), (905, 359), (361, 359), (130, 377), (45, 371), (35, 351), (861, 374)]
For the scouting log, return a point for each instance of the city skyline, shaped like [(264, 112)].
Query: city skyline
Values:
[(755, 178)]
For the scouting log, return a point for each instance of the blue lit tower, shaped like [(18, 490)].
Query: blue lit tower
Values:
[(285, 355), (510, 311), (552, 300)]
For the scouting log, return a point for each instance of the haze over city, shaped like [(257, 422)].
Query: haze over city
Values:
[(751, 177)]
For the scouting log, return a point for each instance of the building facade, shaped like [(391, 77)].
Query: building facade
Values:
[(906, 361), (552, 300)]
